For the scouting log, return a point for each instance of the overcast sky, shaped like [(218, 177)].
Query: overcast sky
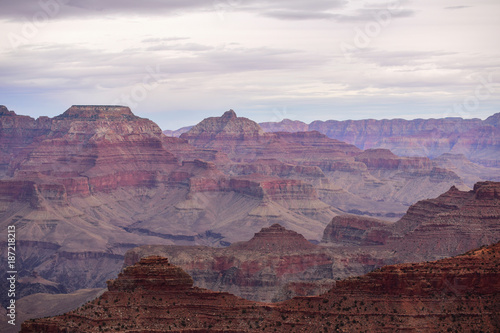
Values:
[(179, 61)]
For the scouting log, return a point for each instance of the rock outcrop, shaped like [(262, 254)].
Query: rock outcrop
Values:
[(468, 171), (456, 294), (356, 230), (452, 223), (275, 264), (375, 182), (84, 187), (275, 239), (477, 139)]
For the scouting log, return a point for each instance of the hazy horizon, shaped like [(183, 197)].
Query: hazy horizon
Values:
[(177, 63)]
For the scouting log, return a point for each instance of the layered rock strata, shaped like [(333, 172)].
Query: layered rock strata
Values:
[(450, 224), (477, 139), (274, 265), (456, 294)]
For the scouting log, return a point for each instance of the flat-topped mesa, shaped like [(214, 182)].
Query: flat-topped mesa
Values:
[(355, 230), (94, 112), (385, 159), (276, 238), (227, 125), (151, 273), (487, 190)]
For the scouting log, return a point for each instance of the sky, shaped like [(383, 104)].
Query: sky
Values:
[(177, 62)]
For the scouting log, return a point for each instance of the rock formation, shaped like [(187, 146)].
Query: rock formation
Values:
[(278, 263), (455, 294), (375, 182), (450, 224), (356, 230), (275, 264), (468, 171), (476, 139), (84, 187)]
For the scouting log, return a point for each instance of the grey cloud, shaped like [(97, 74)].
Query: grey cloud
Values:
[(298, 15), (69, 8), (179, 47), (401, 58), (159, 40), (62, 67), (457, 7), (413, 61), (357, 16), (370, 14), (282, 9)]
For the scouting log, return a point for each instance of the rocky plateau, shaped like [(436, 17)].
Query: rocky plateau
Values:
[(455, 294), (84, 187)]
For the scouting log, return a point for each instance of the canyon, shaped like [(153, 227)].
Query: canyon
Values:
[(98, 185), (455, 294), (277, 264), (475, 139)]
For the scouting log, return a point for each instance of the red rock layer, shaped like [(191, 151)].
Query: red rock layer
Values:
[(152, 274), (87, 149), (244, 140), (275, 238), (265, 267), (386, 160), (478, 140), (455, 294), (355, 230), (450, 224), (273, 188)]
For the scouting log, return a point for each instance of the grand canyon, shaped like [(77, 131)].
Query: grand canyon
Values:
[(354, 225)]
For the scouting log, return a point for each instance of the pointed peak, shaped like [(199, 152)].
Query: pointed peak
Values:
[(227, 124), (229, 115), (151, 273), (276, 238)]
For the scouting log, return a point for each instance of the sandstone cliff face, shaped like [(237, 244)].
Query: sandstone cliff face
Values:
[(450, 224), (59, 188), (372, 182), (456, 294), (355, 230), (478, 140), (106, 147), (468, 171), (244, 140), (84, 187), (275, 264), (466, 220)]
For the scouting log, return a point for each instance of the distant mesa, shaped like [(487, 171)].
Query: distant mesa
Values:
[(276, 239), (93, 112)]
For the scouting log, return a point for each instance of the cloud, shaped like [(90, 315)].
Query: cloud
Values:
[(279, 9), (339, 11), (298, 15), (366, 15), (160, 40), (457, 7), (73, 67), (70, 8), (179, 47)]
